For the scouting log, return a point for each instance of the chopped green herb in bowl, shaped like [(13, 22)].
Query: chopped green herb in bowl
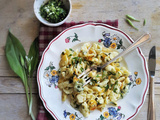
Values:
[(52, 12)]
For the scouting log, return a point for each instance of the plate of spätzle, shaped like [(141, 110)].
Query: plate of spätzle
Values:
[(117, 92)]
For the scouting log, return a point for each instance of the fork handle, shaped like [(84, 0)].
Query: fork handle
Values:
[(137, 43), (151, 106)]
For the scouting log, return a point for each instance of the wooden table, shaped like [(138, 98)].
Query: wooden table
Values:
[(18, 15)]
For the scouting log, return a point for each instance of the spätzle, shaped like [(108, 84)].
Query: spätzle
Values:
[(106, 86)]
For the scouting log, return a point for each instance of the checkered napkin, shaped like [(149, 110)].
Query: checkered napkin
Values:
[(46, 34)]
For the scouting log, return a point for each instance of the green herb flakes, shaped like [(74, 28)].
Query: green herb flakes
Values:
[(69, 55), (81, 69), (53, 11), (107, 87), (71, 49)]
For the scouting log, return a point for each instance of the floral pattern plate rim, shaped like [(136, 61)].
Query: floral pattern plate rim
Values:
[(73, 37)]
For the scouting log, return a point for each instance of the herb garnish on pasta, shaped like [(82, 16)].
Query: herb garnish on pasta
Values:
[(106, 86)]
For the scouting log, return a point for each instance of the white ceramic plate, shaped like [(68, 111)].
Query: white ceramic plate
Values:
[(74, 37)]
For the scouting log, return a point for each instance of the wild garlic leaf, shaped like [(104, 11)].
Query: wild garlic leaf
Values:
[(17, 45), (34, 54), (18, 60), (14, 50)]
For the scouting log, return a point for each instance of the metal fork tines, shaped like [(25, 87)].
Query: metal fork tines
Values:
[(134, 45), (84, 75)]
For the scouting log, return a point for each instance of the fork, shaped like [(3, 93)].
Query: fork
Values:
[(84, 75)]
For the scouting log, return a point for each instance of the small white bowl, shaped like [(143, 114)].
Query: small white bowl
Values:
[(37, 5)]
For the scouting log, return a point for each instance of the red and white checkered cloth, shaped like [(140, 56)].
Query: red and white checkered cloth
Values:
[(46, 34)]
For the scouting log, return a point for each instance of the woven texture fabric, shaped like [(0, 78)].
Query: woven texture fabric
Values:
[(46, 34)]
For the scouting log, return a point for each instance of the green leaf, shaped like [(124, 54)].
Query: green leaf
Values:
[(74, 39), (129, 83), (52, 67), (17, 44), (34, 54), (120, 42), (15, 55), (76, 36), (13, 51), (107, 87), (68, 113), (119, 46), (76, 114), (101, 117), (47, 68)]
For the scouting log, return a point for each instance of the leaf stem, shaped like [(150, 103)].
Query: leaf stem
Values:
[(31, 100), (27, 84), (26, 88)]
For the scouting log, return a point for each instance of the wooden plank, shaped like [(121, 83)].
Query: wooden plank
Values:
[(23, 23), (14, 107), (14, 85), (5, 69), (142, 115)]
